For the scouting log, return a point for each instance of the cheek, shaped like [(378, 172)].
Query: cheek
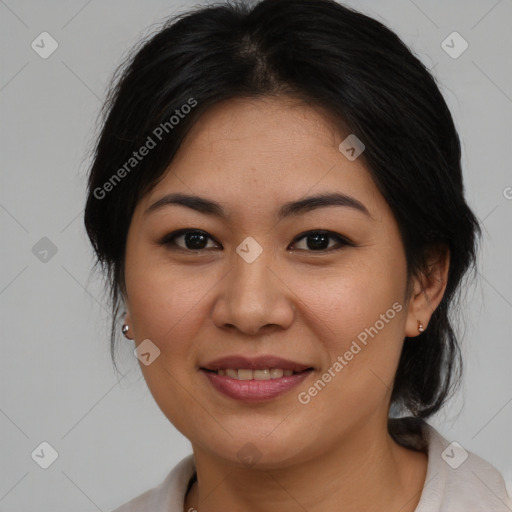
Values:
[(168, 306), (353, 296), (360, 318), (167, 302)]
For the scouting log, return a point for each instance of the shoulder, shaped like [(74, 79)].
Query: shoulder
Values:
[(169, 495), (460, 481)]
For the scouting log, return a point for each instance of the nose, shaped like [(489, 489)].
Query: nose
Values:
[(253, 298)]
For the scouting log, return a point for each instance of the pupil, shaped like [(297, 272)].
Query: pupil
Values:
[(197, 240), (194, 239), (319, 241)]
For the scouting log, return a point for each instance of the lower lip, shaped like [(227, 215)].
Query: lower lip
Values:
[(255, 390)]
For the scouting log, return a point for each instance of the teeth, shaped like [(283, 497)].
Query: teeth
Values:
[(259, 374), (275, 373), (247, 374)]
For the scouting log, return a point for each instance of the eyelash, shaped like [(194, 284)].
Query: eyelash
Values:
[(168, 240)]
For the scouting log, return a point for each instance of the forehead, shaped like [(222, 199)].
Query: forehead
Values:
[(246, 150), (276, 126)]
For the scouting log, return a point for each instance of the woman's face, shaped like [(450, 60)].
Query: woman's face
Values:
[(252, 284)]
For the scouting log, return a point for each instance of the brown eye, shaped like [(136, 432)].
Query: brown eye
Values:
[(197, 240), (318, 241), (192, 240)]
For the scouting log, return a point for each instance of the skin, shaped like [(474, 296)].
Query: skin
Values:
[(297, 302)]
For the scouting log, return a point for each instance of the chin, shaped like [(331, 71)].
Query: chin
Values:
[(259, 451)]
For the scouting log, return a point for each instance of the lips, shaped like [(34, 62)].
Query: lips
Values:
[(256, 363), (255, 379)]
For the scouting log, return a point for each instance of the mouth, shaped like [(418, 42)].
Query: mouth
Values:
[(255, 363), (256, 379), (260, 374)]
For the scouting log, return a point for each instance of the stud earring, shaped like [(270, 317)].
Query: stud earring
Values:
[(125, 330), (420, 327)]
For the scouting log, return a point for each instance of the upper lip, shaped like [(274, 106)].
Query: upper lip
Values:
[(255, 363)]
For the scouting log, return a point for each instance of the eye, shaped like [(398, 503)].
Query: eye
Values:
[(319, 241), (193, 239), (197, 240)]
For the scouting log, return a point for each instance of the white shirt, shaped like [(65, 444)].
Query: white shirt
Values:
[(453, 483)]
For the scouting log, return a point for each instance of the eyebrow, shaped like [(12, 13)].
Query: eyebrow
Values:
[(293, 208)]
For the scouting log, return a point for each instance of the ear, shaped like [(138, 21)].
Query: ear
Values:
[(427, 289), (127, 318)]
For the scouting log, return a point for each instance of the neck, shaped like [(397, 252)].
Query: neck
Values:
[(364, 471)]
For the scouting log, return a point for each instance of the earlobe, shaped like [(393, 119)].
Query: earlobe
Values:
[(428, 290)]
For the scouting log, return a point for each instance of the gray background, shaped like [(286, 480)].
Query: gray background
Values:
[(57, 383)]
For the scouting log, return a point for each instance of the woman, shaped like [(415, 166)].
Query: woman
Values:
[(277, 200)]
